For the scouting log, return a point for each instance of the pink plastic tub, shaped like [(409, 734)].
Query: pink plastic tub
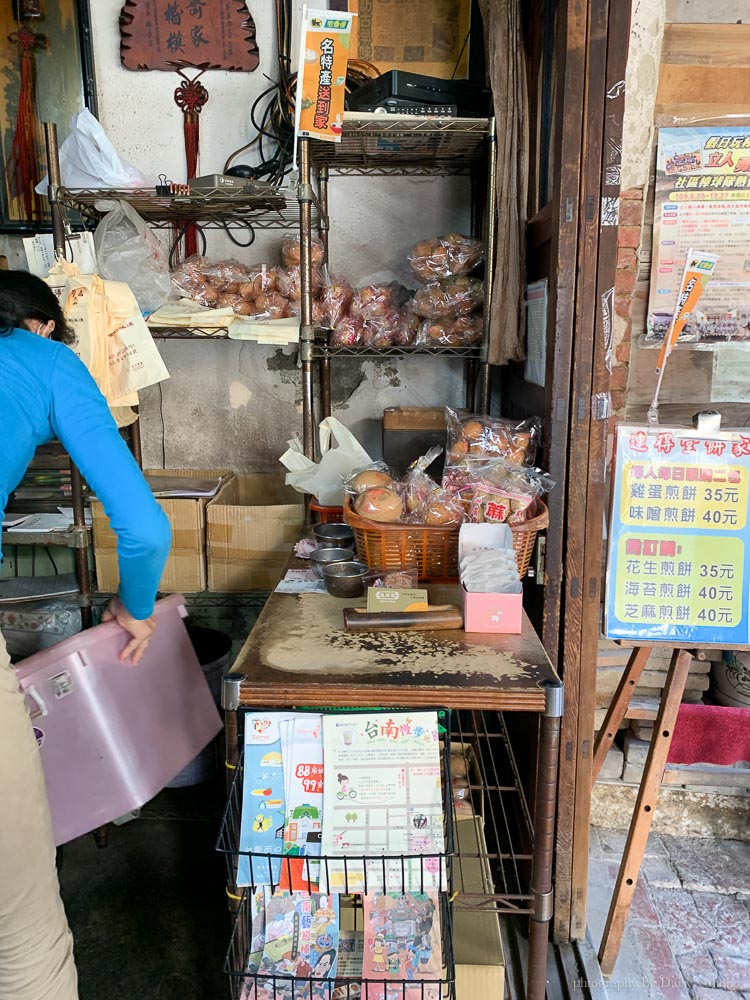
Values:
[(112, 735)]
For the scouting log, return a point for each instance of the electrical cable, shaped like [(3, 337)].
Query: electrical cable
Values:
[(461, 53), (179, 234), (49, 556), (272, 113)]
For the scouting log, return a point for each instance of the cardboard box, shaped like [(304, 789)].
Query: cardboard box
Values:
[(477, 945), (252, 524), (489, 612), (492, 612), (422, 36), (185, 571)]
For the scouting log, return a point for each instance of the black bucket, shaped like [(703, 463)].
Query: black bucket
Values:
[(213, 649)]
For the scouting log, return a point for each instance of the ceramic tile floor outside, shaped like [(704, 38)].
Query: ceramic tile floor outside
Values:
[(688, 934), (149, 912)]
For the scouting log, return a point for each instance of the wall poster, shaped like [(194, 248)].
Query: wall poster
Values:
[(678, 538), (702, 200)]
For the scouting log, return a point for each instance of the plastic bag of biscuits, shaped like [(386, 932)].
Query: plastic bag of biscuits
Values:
[(375, 474), (348, 332), (290, 251), (437, 508), (464, 331), (335, 297), (445, 257), (383, 330), (381, 503), (476, 439), (452, 298)]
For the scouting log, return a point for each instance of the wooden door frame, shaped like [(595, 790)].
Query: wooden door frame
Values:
[(592, 43)]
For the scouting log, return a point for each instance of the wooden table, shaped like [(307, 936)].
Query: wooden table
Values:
[(298, 654)]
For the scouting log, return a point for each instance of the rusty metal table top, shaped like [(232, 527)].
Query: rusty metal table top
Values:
[(298, 653)]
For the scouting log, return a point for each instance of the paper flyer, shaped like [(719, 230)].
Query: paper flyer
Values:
[(382, 796), (301, 944), (302, 753), (262, 824), (402, 943), (349, 968)]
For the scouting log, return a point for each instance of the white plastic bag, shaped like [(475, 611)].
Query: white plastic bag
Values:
[(127, 250), (324, 479), (89, 160)]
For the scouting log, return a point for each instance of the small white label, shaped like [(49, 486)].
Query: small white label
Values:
[(61, 685)]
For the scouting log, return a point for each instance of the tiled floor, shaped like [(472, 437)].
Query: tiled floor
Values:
[(688, 934)]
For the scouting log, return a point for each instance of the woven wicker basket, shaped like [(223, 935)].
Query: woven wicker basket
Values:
[(327, 515), (433, 549)]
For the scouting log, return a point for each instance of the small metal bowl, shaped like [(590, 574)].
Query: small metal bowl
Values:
[(333, 536), (324, 557), (345, 579)]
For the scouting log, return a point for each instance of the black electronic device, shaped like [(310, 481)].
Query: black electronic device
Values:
[(397, 92)]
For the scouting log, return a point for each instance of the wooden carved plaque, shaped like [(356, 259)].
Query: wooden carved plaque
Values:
[(165, 34)]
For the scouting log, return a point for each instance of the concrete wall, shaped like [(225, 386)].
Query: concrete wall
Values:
[(236, 405)]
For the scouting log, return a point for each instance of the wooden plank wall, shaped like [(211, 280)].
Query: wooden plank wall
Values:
[(704, 74)]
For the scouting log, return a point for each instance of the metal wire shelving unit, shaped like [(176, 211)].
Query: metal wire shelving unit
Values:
[(388, 146), (212, 209), (245, 984), (503, 850), (373, 144)]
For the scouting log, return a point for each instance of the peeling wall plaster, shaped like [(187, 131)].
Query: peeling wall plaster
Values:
[(641, 80)]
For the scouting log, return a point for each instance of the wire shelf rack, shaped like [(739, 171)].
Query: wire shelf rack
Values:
[(247, 983), (189, 332), (491, 868), (322, 351), (355, 872), (216, 209), (405, 144)]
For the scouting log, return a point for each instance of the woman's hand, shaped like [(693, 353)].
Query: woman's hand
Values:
[(140, 629)]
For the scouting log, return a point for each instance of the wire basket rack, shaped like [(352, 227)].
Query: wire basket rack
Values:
[(351, 872), (248, 983)]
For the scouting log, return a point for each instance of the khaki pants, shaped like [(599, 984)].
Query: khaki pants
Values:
[(36, 947)]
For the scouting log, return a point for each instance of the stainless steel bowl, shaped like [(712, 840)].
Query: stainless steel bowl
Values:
[(325, 557), (334, 536), (345, 579)]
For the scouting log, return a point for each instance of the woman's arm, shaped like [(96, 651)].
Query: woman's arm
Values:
[(81, 420)]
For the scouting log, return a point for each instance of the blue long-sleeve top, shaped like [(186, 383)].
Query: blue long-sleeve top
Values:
[(46, 392)]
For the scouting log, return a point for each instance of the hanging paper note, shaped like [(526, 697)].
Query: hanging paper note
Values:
[(321, 74)]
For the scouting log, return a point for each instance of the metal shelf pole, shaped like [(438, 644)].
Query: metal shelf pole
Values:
[(325, 363), (544, 841), (306, 332), (83, 573), (53, 175)]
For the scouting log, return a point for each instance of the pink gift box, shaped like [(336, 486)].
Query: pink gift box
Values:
[(492, 612)]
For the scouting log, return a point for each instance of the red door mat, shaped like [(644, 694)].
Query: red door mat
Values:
[(710, 734)]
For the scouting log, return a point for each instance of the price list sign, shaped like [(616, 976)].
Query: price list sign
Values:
[(679, 534)]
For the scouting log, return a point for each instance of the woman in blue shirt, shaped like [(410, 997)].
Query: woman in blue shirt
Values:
[(46, 392)]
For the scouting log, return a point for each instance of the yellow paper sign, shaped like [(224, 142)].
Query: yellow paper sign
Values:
[(321, 75)]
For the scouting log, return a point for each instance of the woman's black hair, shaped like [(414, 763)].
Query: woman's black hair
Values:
[(23, 296)]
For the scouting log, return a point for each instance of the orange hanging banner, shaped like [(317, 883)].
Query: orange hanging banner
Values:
[(321, 74), (698, 269)]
